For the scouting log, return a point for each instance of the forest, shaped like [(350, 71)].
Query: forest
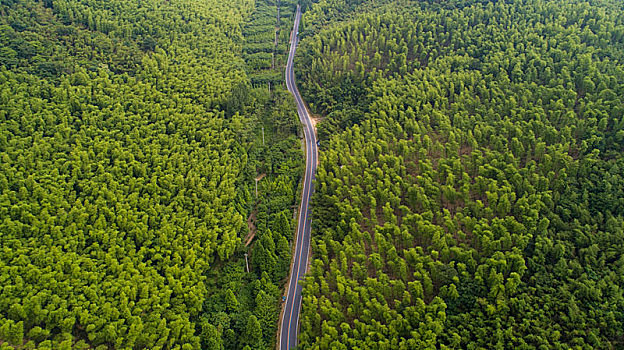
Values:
[(132, 136), (469, 195), (470, 192)]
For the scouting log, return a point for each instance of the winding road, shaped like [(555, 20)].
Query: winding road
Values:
[(290, 317)]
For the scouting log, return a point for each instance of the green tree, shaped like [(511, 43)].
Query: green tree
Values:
[(230, 301), (252, 334)]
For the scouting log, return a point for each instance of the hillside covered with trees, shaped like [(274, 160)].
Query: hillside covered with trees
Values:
[(470, 192), (130, 141)]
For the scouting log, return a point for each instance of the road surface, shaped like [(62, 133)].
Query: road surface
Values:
[(292, 307)]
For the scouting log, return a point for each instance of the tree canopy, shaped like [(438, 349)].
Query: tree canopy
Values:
[(469, 192), (130, 141)]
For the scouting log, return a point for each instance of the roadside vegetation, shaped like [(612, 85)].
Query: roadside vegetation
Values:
[(130, 141), (470, 187)]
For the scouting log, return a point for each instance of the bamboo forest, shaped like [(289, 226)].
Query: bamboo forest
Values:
[(469, 190)]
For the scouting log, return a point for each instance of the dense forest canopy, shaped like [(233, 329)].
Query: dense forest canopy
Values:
[(130, 141), (470, 192)]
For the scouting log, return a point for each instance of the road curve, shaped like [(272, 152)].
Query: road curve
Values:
[(292, 308)]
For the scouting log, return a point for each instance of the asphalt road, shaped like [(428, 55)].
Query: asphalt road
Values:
[(292, 307)]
